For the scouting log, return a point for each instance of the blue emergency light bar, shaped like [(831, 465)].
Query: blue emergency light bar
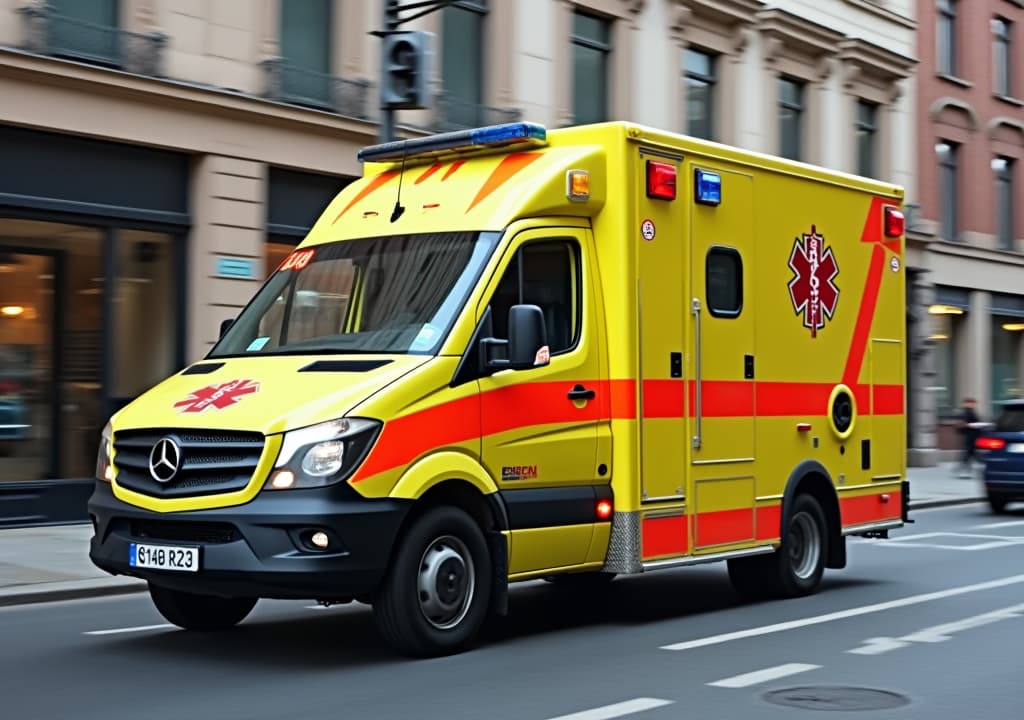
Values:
[(491, 136)]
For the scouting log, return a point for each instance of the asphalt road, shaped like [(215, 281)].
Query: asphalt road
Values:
[(929, 623)]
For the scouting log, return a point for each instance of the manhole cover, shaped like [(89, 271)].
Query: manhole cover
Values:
[(836, 698)]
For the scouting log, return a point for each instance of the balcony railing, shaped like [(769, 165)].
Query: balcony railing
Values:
[(49, 33), (298, 86), (452, 113)]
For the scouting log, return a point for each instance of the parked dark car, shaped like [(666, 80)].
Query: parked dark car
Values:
[(1002, 450)]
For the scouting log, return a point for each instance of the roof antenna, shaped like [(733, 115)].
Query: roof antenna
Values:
[(399, 209)]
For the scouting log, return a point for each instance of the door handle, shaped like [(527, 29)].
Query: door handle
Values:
[(581, 393)]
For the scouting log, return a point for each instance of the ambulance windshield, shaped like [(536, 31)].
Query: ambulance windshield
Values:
[(391, 294)]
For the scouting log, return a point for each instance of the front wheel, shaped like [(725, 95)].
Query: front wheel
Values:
[(200, 612), (435, 596)]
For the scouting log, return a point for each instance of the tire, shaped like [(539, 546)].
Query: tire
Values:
[(200, 612), (415, 613), (998, 504), (800, 562)]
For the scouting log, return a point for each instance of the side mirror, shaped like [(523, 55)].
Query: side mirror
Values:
[(225, 325), (527, 344)]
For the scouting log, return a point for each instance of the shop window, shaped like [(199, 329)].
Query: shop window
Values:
[(699, 76), (306, 51), (463, 62), (591, 46), (145, 312), (724, 282), (1006, 350), (544, 273), (791, 112)]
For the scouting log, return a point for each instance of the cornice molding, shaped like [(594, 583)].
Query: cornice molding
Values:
[(996, 124), (936, 108), (863, 59), (786, 33)]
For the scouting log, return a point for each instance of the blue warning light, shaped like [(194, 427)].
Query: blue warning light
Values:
[(709, 187)]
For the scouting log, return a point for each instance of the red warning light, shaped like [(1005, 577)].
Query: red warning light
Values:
[(661, 180), (894, 222), (604, 509)]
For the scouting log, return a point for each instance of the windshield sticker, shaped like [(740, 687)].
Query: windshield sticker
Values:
[(257, 344), (425, 338), (217, 397), (298, 259)]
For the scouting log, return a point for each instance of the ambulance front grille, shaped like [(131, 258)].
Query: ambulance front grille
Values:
[(208, 462)]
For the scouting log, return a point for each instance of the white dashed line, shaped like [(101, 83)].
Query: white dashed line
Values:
[(843, 614), (760, 676), (937, 633), (606, 712), (116, 631), (992, 526)]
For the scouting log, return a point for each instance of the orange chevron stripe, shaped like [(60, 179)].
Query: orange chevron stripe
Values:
[(429, 171), (507, 168), (451, 171), (372, 186)]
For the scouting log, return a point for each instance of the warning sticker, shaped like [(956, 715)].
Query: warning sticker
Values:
[(647, 229)]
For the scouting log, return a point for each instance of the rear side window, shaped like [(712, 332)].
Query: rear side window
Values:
[(724, 282), (1011, 420)]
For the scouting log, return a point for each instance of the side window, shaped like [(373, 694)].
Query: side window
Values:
[(546, 274), (724, 282)]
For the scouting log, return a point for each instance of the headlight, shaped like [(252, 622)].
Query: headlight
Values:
[(321, 454), (104, 468)]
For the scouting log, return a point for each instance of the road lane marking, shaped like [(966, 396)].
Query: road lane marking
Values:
[(994, 541), (936, 633), (605, 712), (992, 526), (760, 676), (115, 631), (843, 614)]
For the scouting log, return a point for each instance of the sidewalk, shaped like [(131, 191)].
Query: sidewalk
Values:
[(51, 563)]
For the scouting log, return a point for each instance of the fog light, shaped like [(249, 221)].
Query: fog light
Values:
[(320, 539), (282, 480)]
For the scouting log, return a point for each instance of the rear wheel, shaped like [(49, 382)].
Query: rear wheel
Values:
[(800, 561), (200, 612), (435, 596)]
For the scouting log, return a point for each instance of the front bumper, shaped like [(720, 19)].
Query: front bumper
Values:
[(256, 549)]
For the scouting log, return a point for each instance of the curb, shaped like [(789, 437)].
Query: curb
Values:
[(70, 590)]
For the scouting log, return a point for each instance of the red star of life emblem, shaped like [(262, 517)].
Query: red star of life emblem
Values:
[(217, 397), (812, 291)]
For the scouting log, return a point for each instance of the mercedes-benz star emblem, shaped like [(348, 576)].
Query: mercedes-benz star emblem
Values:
[(164, 460)]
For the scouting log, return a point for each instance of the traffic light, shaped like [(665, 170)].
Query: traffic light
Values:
[(406, 70)]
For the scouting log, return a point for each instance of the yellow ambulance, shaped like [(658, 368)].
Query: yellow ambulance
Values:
[(511, 353)]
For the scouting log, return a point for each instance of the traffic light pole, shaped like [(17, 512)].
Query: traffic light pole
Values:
[(393, 10)]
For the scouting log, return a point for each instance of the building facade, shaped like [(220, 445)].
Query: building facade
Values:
[(967, 232), (160, 158)]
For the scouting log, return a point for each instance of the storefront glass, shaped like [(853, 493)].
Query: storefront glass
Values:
[(1006, 351), (945, 323)]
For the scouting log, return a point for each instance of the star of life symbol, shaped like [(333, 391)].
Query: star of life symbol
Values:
[(812, 291), (217, 397)]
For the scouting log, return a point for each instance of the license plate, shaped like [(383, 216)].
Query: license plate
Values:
[(164, 557), (1015, 448)]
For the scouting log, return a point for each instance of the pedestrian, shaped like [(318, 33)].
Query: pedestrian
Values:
[(969, 428)]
